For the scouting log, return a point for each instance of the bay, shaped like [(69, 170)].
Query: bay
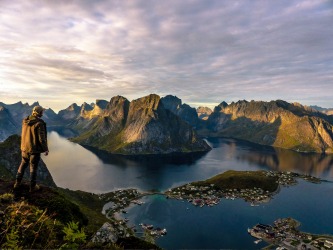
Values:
[(223, 226)]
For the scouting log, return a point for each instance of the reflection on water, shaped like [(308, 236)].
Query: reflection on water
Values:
[(148, 160), (319, 165), (75, 167)]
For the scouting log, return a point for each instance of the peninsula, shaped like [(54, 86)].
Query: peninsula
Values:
[(253, 186)]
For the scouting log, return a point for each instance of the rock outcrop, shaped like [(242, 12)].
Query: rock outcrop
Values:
[(10, 159), (204, 112), (143, 126), (275, 123), (70, 113), (106, 234), (184, 111)]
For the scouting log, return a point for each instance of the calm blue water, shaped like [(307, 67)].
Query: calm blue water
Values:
[(223, 226)]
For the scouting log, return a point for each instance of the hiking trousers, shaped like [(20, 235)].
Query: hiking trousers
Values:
[(32, 160)]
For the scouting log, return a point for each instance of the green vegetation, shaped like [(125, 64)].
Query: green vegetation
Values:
[(26, 226), (56, 218), (64, 209), (90, 205), (74, 236), (6, 198), (5, 173), (243, 180)]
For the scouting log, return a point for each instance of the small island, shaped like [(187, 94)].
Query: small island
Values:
[(285, 235), (253, 186)]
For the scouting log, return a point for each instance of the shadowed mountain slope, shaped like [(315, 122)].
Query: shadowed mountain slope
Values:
[(184, 111)]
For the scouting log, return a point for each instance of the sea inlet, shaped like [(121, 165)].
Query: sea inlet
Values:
[(222, 226)]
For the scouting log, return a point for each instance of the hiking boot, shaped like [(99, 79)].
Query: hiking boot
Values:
[(17, 185), (34, 189)]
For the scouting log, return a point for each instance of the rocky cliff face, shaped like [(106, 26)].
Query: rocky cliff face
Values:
[(204, 112), (275, 123), (143, 126), (10, 159), (184, 111), (7, 124), (70, 113)]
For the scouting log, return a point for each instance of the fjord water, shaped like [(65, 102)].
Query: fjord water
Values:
[(223, 226)]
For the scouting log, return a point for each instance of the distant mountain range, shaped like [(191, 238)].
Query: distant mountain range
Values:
[(323, 110), (155, 125), (11, 116)]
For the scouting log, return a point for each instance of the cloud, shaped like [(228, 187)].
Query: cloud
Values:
[(201, 51)]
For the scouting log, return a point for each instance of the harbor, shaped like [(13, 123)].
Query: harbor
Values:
[(284, 234)]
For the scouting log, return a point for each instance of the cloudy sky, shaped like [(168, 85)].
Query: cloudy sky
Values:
[(203, 51)]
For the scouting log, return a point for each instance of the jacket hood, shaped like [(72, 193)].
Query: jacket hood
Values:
[(31, 120)]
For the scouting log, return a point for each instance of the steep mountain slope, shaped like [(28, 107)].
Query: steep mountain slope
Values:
[(70, 113), (184, 111), (275, 123), (7, 124), (143, 126)]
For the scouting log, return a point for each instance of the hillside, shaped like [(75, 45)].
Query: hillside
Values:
[(142, 126), (243, 180), (54, 218), (38, 220), (275, 123)]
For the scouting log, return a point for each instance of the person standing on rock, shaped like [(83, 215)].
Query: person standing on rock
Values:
[(33, 143)]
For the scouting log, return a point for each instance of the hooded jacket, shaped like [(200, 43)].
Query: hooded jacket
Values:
[(34, 137)]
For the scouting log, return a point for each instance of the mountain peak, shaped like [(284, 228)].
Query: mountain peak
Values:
[(101, 103), (35, 104), (142, 126), (151, 102)]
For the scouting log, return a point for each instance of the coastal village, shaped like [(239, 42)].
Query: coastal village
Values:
[(118, 201), (210, 195), (284, 234)]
